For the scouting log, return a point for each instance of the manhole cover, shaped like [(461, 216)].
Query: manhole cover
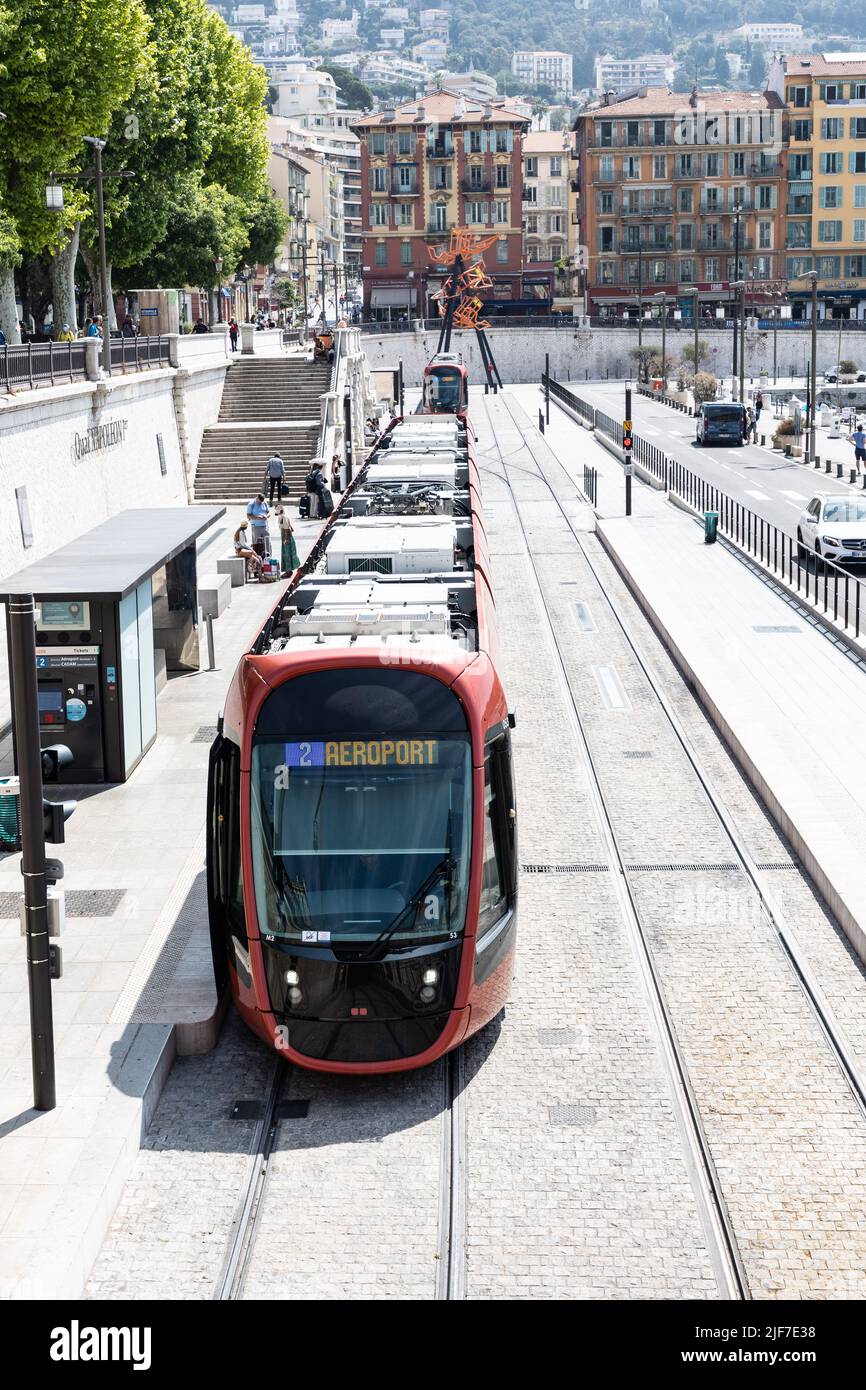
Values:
[(571, 1114), (248, 1109), (635, 753), (682, 868), (292, 1109), (557, 1037), (80, 902)]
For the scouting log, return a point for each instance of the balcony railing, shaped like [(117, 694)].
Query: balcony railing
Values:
[(432, 229), (654, 210), (725, 244), (399, 190), (471, 185)]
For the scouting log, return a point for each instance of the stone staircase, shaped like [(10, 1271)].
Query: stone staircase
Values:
[(268, 404)]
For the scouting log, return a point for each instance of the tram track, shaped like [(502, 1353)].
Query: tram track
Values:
[(448, 1273), (718, 1230), (796, 957), (727, 1260)]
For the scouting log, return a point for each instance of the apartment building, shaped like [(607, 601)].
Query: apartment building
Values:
[(428, 166), (297, 256), (544, 67), (825, 100), (774, 35), (550, 211), (309, 119), (661, 179), (620, 75)]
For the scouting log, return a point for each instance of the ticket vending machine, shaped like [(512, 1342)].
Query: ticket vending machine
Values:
[(70, 675), (95, 678)]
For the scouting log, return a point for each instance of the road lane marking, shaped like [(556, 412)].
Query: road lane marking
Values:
[(759, 496), (797, 496)]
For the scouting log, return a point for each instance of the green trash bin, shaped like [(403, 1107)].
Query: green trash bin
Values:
[(711, 526)]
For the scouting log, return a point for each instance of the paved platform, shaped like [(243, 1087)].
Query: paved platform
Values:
[(786, 700), (137, 984)]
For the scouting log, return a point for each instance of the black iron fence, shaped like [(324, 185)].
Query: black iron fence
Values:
[(829, 587), (25, 366)]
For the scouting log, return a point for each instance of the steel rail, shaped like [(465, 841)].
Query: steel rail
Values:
[(722, 1245), (834, 1034)]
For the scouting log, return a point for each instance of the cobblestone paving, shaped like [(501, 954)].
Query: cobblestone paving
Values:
[(169, 1233), (350, 1210), (351, 1205), (788, 1140), (577, 1187)]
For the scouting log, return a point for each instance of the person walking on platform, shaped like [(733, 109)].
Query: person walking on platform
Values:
[(759, 406), (336, 465), (750, 425), (257, 515), (288, 550), (233, 334), (858, 439), (275, 473)]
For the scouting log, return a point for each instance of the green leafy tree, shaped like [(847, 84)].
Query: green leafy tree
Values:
[(268, 228), (757, 70), (723, 71), (350, 89), (64, 69), (689, 353)]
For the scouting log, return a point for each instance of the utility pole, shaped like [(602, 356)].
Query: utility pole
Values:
[(628, 466), (813, 382), (639, 300), (547, 388), (742, 342), (695, 292), (737, 213), (22, 651)]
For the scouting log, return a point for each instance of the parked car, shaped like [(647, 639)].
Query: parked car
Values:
[(835, 376), (721, 422), (833, 527)]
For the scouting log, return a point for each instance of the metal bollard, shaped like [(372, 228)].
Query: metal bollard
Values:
[(211, 657), (711, 523), (838, 470), (828, 467), (853, 476), (763, 441), (541, 422)]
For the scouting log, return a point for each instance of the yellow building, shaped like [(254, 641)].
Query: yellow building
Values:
[(825, 100)]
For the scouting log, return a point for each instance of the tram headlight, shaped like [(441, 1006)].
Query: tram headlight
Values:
[(295, 996), (427, 994), (429, 981), (430, 977), (292, 977)]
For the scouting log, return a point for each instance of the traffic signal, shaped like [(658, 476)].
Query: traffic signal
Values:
[(54, 815), (54, 757), (626, 441)]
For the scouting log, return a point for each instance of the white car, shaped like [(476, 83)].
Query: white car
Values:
[(836, 376), (834, 527)]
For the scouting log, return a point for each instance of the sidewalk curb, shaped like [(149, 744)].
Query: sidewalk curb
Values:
[(855, 932)]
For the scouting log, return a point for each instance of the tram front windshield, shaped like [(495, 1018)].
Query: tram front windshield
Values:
[(445, 386), (356, 837)]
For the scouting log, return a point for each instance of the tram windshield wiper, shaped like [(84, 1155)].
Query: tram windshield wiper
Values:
[(445, 866)]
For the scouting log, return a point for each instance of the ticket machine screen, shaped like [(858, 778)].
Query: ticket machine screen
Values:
[(51, 710)]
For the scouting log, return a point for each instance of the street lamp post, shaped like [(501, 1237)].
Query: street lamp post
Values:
[(98, 147), (218, 267), (661, 299), (812, 275)]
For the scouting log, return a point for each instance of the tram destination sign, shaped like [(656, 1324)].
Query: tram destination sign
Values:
[(379, 752)]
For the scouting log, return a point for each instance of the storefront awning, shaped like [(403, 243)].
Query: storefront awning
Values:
[(381, 296)]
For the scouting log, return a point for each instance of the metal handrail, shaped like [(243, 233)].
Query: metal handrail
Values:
[(822, 583)]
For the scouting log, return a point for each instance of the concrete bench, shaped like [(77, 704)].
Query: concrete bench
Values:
[(214, 594), (235, 566)]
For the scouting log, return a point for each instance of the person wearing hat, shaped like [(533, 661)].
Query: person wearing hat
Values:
[(66, 334), (244, 552)]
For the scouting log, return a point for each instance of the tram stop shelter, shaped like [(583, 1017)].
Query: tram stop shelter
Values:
[(116, 610)]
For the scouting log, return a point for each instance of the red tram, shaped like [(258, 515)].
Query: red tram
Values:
[(362, 867), (445, 389)]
